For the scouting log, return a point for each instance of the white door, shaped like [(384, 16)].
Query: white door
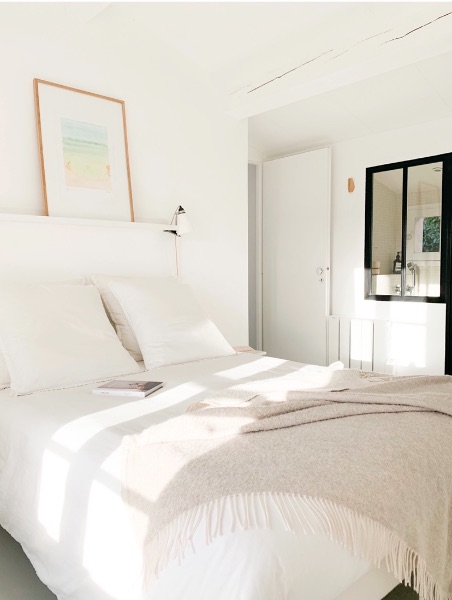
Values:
[(295, 256)]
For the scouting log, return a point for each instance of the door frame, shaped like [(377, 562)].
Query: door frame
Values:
[(258, 310)]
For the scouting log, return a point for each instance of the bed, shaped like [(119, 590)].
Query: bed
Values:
[(102, 492)]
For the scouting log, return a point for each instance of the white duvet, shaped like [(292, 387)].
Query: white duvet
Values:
[(60, 497)]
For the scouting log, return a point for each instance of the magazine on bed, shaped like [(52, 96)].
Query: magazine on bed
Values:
[(138, 389)]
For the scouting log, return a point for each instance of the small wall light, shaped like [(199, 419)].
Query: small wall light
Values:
[(179, 224), (351, 185)]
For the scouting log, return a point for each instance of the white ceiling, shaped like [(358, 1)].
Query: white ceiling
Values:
[(306, 74), (413, 94)]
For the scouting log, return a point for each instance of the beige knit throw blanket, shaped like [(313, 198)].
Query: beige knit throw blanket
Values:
[(370, 466)]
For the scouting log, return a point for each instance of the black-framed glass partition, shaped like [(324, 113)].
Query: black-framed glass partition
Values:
[(407, 249)]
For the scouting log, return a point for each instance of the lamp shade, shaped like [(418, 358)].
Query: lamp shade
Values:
[(182, 222), (179, 223)]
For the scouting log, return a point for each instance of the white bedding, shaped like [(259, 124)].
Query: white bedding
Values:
[(60, 497)]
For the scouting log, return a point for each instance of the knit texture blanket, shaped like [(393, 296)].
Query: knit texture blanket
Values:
[(369, 466)]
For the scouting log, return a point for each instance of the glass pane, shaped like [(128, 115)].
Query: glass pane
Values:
[(387, 232), (423, 243)]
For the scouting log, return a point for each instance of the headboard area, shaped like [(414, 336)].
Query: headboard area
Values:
[(35, 247)]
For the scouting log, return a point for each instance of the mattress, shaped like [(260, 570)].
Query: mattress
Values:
[(60, 498)]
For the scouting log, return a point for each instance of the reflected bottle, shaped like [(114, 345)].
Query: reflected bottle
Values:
[(397, 267)]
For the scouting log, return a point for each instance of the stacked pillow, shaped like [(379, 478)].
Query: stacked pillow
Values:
[(61, 335), (5, 379), (160, 320), (57, 336)]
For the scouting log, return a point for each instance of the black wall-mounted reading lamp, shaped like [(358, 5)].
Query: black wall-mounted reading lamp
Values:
[(179, 223), (178, 226)]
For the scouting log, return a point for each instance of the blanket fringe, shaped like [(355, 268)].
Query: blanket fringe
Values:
[(360, 535)]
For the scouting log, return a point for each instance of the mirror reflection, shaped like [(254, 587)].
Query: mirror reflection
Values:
[(423, 235), (405, 229), (387, 232)]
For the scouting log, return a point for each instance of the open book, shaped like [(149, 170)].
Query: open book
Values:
[(139, 389)]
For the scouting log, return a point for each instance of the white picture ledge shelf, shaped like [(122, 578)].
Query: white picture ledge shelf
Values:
[(43, 220)]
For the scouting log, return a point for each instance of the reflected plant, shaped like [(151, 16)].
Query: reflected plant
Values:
[(431, 234)]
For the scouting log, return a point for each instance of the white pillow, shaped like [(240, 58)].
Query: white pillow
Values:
[(168, 322), (56, 336), (35, 276), (115, 312)]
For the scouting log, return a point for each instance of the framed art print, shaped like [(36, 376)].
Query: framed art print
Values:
[(83, 153)]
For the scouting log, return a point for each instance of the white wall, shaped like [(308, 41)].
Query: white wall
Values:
[(350, 159), (183, 148)]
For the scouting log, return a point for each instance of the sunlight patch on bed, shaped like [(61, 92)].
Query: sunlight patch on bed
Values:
[(259, 366), (307, 377), (308, 381), (52, 492), (106, 522), (175, 458), (76, 433)]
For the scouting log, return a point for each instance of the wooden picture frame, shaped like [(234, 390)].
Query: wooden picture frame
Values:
[(83, 153)]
